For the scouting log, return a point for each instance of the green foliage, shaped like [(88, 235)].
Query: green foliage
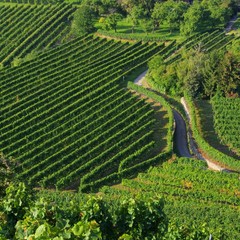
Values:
[(141, 218), (234, 48), (134, 16), (6, 173), (161, 16), (198, 202), (146, 25), (190, 72), (83, 20), (97, 219), (171, 12), (192, 232), (119, 215), (199, 67), (87, 230), (110, 22), (129, 5), (229, 69), (16, 200), (45, 220), (196, 17), (14, 206), (221, 10), (210, 73), (164, 75)]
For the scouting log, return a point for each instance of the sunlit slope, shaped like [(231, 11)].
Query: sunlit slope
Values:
[(24, 28), (193, 194), (64, 115)]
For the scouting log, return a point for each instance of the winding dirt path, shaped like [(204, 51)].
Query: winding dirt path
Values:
[(139, 80), (211, 165), (231, 22), (180, 133)]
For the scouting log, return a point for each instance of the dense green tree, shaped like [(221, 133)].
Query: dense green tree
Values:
[(110, 22), (134, 16), (220, 11), (83, 21), (199, 73), (159, 14), (147, 5), (196, 18), (111, 6), (229, 71), (189, 72), (146, 24), (205, 73), (164, 75), (210, 73), (96, 6), (170, 12), (175, 14), (101, 7), (137, 14)]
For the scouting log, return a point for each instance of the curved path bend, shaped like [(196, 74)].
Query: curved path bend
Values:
[(231, 23), (180, 133)]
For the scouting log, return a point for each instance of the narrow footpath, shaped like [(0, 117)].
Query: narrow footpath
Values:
[(139, 80), (180, 133), (231, 22)]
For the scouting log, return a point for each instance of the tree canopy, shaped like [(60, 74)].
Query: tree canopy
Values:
[(200, 73), (83, 22)]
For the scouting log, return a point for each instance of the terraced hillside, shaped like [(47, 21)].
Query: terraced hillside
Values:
[(227, 121), (64, 115), (205, 121), (24, 28), (206, 42), (193, 195)]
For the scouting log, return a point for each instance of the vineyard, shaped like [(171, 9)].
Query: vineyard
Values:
[(227, 121), (192, 194), (73, 123), (65, 116), (205, 41), (28, 28)]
